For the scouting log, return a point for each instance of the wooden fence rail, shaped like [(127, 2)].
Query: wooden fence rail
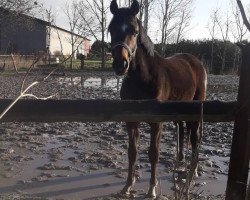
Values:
[(115, 110)]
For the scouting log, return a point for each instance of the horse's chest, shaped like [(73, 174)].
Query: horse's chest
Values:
[(132, 89)]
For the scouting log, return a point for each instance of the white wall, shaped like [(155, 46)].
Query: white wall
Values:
[(58, 35)]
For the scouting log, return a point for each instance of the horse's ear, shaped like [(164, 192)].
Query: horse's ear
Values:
[(135, 7), (113, 7)]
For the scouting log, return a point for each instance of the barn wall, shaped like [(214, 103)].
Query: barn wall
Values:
[(23, 37)]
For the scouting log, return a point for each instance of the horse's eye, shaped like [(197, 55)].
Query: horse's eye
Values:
[(136, 33)]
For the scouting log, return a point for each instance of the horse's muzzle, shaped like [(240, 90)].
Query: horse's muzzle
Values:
[(120, 68)]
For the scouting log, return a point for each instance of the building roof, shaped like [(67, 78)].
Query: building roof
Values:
[(39, 21), (68, 31)]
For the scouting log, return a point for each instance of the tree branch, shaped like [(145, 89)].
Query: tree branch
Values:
[(243, 14)]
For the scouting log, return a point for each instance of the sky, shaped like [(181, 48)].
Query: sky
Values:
[(198, 29), (202, 12)]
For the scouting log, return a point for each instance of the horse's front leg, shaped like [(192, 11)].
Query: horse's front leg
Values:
[(153, 153), (133, 134)]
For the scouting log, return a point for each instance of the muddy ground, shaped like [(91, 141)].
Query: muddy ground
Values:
[(89, 160)]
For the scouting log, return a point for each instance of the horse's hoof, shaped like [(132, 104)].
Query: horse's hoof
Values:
[(151, 192), (125, 191), (181, 157), (196, 175), (149, 196)]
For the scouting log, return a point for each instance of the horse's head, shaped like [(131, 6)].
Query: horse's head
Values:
[(124, 30)]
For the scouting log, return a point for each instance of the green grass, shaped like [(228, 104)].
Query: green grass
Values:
[(7, 73), (88, 64)]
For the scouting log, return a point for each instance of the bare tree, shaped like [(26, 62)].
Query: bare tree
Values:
[(168, 17), (144, 13), (50, 18), (145, 9), (212, 31), (239, 30), (20, 6), (185, 16), (147, 2), (243, 14), (73, 16), (94, 17), (224, 27), (174, 17)]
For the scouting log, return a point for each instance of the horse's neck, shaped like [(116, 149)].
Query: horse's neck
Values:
[(142, 66)]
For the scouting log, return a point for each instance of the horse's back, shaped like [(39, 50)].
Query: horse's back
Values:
[(188, 77)]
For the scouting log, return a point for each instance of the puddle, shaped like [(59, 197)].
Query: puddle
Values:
[(79, 181), (92, 183), (113, 83)]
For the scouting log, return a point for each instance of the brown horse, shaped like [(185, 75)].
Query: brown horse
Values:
[(149, 76)]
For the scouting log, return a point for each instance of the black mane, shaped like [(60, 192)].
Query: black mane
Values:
[(144, 41)]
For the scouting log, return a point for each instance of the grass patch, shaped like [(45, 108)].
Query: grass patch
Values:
[(7, 73), (88, 65)]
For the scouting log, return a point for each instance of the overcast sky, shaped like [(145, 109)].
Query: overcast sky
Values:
[(201, 15)]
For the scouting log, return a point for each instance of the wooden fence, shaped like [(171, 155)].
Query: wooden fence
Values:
[(240, 151), (115, 110)]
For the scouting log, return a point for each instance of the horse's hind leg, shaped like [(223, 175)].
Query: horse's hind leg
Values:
[(181, 140), (156, 131), (133, 133), (194, 139)]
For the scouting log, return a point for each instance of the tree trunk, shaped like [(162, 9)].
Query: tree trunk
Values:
[(212, 56), (223, 64), (72, 52), (146, 15), (235, 60), (163, 40), (180, 29), (103, 37)]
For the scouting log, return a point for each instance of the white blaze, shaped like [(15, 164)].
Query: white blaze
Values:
[(124, 27)]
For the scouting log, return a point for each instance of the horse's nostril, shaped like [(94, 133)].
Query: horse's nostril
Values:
[(125, 64), (120, 66)]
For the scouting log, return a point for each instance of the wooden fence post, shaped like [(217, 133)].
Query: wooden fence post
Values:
[(240, 151)]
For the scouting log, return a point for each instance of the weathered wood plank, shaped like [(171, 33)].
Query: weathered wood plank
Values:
[(115, 110), (240, 152)]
